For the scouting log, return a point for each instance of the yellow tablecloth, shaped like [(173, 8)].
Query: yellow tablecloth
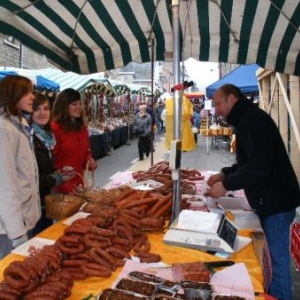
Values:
[(169, 254)]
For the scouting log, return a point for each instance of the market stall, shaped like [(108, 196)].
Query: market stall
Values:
[(244, 277), (40, 83), (244, 77), (170, 254)]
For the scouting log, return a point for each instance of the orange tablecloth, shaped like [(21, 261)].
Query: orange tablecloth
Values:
[(170, 254)]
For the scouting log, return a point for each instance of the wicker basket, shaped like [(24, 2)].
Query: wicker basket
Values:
[(61, 206)]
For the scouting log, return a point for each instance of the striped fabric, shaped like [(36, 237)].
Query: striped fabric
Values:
[(94, 82), (91, 36), (122, 89)]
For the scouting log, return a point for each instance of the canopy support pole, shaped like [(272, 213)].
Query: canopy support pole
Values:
[(152, 98), (177, 103), (128, 122)]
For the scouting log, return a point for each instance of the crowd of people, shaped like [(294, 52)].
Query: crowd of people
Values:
[(42, 152), (159, 119)]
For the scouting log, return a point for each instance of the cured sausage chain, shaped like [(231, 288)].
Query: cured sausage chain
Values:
[(94, 246)]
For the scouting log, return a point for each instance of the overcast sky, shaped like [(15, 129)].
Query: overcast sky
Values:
[(202, 73)]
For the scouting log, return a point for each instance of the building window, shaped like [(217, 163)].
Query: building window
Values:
[(10, 39)]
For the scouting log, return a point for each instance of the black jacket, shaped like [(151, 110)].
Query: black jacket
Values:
[(263, 167), (45, 166)]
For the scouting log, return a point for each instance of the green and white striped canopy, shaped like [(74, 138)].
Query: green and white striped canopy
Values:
[(88, 36)]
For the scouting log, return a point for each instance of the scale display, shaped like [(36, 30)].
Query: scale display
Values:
[(227, 232)]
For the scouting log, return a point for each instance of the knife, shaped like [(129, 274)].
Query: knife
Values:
[(207, 264), (218, 264), (211, 265)]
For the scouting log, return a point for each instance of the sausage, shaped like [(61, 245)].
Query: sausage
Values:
[(124, 232), (129, 213), (77, 230), (96, 270), (148, 257), (73, 263), (142, 246), (16, 276), (122, 243), (98, 221), (103, 258), (70, 244), (81, 256), (7, 293), (117, 252), (124, 201), (93, 241), (124, 194), (159, 213), (75, 273), (152, 223), (102, 232), (159, 204), (135, 203)]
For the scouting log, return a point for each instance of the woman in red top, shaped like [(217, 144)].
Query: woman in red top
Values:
[(72, 139)]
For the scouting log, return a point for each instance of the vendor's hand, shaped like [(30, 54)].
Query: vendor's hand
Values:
[(215, 178), (92, 164), (19, 241), (217, 190)]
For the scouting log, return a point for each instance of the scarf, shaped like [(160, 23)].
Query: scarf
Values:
[(47, 138), (24, 127)]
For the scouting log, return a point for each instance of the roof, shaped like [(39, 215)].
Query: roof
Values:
[(137, 88), (91, 36), (40, 82), (244, 77), (71, 80)]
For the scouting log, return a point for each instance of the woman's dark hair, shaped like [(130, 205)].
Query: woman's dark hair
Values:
[(12, 89), (40, 99), (60, 111)]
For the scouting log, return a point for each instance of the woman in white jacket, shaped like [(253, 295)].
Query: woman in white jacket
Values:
[(19, 196)]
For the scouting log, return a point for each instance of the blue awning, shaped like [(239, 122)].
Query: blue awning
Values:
[(244, 77), (40, 82)]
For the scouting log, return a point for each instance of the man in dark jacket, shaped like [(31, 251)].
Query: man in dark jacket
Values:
[(159, 122), (264, 171)]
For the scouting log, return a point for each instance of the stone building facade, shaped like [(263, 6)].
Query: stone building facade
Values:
[(14, 54)]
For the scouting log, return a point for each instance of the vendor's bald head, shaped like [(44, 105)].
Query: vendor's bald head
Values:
[(225, 98)]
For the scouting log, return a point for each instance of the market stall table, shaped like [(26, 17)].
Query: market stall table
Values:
[(99, 145), (116, 137), (125, 134), (169, 254)]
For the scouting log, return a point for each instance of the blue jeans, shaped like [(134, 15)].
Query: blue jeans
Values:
[(277, 232), (159, 124), (6, 246)]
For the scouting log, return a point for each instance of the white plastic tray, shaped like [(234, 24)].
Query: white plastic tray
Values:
[(146, 185), (37, 242), (79, 215)]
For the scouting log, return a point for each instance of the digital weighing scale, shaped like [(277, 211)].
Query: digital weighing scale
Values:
[(224, 240)]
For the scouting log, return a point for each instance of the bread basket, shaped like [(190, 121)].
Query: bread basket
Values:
[(60, 206)]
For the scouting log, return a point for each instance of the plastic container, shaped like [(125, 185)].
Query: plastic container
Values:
[(196, 290), (138, 287), (114, 294)]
